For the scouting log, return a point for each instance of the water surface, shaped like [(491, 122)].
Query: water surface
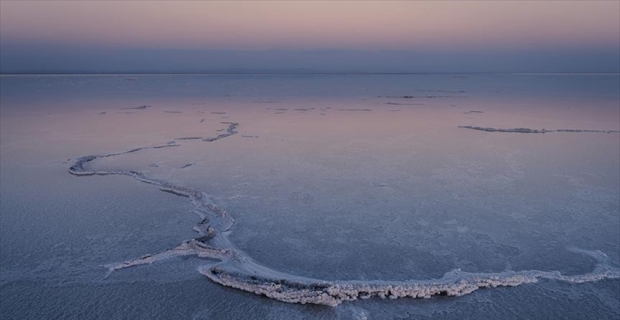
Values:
[(331, 177)]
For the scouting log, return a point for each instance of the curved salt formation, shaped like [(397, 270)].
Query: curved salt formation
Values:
[(455, 283), (232, 129), (236, 269)]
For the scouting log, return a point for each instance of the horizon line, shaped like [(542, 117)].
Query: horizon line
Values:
[(295, 73)]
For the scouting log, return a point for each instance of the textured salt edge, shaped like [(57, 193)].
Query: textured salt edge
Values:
[(528, 130), (253, 278), (240, 271)]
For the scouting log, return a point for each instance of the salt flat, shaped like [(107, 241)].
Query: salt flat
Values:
[(345, 179)]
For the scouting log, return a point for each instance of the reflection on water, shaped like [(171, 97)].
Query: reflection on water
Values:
[(342, 178)]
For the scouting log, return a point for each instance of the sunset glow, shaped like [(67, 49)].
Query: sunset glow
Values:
[(309, 159), (307, 25), (313, 36)]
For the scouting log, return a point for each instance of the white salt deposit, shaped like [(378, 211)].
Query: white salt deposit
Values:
[(238, 270)]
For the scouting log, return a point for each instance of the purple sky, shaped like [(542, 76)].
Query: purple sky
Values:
[(312, 36)]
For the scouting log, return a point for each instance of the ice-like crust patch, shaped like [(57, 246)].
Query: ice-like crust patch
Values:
[(528, 130), (238, 270)]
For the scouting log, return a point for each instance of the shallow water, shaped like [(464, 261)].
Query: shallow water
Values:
[(358, 177)]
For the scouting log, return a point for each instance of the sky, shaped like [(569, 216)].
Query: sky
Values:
[(309, 36)]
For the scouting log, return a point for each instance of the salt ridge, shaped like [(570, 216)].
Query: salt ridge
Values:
[(238, 270)]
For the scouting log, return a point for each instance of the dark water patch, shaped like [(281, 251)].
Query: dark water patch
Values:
[(266, 101), (404, 104), (443, 91), (421, 96), (143, 107), (218, 112), (166, 111), (188, 138), (353, 109), (472, 112)]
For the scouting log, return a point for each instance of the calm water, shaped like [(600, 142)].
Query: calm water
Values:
[(331, 177)]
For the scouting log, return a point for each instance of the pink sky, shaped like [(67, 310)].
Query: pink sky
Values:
[(371, 25)]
